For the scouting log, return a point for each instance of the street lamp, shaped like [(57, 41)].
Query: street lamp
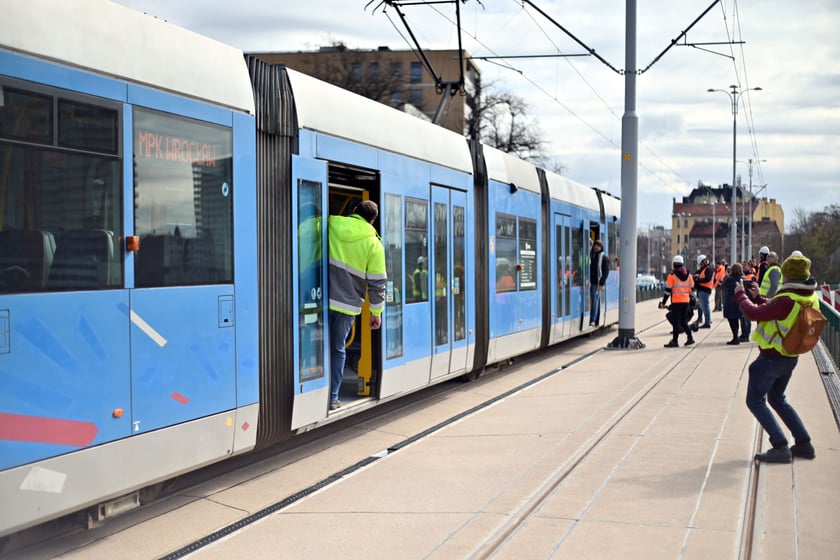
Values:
[(734, 96), (750, 163), (714, 227)]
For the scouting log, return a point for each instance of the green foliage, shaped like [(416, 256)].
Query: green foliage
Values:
[(817, 235)]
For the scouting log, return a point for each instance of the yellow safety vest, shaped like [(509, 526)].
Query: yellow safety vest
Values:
[(764, 288), (769, 334)]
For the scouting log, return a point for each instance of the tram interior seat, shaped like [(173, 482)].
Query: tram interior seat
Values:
[(25, 259), (84, 258)]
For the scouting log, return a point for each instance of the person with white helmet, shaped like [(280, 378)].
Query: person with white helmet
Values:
[(704, 281), (678, 287), (762, 263)]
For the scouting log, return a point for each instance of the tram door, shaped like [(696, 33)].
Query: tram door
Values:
[(563, 279), (448, 264), (311, 377), (580, 275), (181, 306)]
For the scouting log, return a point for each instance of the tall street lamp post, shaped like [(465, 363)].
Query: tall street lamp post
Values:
[(750, 162), (714, 227), (734, 96)]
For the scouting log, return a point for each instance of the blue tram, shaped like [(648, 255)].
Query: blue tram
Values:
[(162, 255)]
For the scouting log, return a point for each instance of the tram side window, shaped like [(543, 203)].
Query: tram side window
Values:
[(183, 196), (393, 264), (60, 191), (613, 233), (505, 253), (417, 250)]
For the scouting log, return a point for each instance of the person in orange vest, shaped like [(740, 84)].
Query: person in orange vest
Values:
[(704, 281), (720, 292), (678, 286)]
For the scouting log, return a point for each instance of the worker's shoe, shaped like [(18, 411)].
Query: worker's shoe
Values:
[(689, 342), (780, 454), (672, 344), (803, 450)]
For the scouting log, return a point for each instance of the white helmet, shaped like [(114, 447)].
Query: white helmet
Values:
[(700, 258), (678, 260), (764, 250)]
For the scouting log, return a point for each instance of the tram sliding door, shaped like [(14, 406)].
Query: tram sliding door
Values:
[(448, 256), (563, 276), (311, 379)]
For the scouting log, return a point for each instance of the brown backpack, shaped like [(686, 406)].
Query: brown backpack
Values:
[(805, 331)]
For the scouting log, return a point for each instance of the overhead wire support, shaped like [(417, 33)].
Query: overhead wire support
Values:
[(591, 51), (440, 85), (680, 36)]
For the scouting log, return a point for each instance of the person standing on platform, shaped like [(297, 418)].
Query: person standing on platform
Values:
[(357, 268), (762, 263), (720, 276), (749, 279), (704, 281), (769, 283), (771, 371), (678, 286), (731, 312), (599, 270)]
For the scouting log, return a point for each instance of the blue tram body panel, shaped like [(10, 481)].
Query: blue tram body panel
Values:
[(182, 354), (246, 300), (65, 374)]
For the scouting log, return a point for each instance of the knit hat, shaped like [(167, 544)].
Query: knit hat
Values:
[(796, 268)]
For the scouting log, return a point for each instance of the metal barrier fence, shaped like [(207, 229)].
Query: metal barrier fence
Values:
[(830, 307), (644, 294)]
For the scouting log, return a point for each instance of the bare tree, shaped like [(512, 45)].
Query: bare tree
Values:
[(817, 235), (500, 119)]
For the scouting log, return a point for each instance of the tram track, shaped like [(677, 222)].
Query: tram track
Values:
[(495, 543)]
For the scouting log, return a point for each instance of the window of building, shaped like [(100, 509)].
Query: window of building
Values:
[(396, 98), (417, 98), (373, 69), (396, 69), (416, 72), (356, 71)]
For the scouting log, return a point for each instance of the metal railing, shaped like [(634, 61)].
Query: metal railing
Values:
[(830, 307)]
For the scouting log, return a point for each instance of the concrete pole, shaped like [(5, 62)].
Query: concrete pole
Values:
[(629, 190)]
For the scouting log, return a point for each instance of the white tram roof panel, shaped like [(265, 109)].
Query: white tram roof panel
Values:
[(329, 109), (109, 38), (508, 168), (567, 190)]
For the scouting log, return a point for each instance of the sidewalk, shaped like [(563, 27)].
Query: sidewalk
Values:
[(567, 468)]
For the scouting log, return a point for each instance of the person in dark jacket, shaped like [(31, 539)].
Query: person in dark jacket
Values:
[(770, 373), (704, 281), (678, 287), (730, 308), (599, 270)]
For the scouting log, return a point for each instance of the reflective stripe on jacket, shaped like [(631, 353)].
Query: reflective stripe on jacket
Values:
[(769, 334), (357, 265), (680, 289)]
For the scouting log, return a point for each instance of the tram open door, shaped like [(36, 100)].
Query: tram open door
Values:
[(358, 369)]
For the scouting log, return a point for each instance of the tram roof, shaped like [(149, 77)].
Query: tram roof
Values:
[(108, 38), (508, 168), (567, 190), (326, 108)]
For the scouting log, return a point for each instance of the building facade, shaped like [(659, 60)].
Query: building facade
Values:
[(395, 78), (701, 224)]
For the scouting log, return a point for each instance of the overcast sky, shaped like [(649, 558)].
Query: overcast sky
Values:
[(791, 50)]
